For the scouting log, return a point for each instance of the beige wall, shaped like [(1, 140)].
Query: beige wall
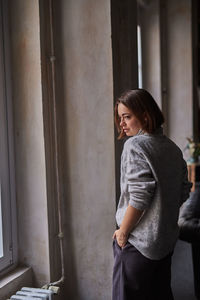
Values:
[(89, 212), (29, 139), (90, 194), (179, 71)]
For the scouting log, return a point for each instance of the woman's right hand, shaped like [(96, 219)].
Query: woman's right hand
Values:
[(121, 237)]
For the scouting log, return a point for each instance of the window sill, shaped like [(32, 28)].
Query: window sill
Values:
[(14, 281)]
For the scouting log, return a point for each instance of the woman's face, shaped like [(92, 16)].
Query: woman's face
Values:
[(128, 122)]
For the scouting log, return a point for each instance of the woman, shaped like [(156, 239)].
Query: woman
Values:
[(154, 185)]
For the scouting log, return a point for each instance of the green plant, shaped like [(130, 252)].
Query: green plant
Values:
[(194, 150)]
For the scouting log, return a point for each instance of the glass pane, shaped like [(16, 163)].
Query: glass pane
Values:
[(1, 230), (139, 56)]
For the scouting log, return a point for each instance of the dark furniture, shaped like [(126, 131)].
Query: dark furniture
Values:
[(189, 223)]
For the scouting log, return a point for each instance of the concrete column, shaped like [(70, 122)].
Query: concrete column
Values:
[(86, 65), (179, 50)]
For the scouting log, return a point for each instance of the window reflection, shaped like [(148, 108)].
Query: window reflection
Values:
[(1, 234)]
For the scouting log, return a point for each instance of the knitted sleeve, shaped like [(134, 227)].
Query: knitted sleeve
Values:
[(141, 183)]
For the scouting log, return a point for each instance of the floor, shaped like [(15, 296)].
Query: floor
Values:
[(182, 272)]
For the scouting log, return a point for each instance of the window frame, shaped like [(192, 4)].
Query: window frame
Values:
[(9, 260)]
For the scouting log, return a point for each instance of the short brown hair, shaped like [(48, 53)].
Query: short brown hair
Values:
[(143, 106)]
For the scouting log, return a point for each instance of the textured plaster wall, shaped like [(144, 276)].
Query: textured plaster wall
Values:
[(90, 187), (29, 139), (179, 70)]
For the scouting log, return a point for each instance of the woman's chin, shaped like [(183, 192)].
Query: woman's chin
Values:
[(128, 133)]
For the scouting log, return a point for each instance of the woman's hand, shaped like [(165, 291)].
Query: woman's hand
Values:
[(121, 237), (130, 220)]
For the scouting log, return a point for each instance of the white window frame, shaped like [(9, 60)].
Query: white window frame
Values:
[(7, 171), (139, 51)]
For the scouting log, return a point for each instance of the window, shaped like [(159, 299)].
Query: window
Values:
[(139, 49), (7, 191)]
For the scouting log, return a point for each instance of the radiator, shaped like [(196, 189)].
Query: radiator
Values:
[(27, 293)]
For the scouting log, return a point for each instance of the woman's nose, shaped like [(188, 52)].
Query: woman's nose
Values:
[(122, 122)]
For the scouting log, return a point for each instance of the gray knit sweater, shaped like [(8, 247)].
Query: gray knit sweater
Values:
[(153, 179)]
